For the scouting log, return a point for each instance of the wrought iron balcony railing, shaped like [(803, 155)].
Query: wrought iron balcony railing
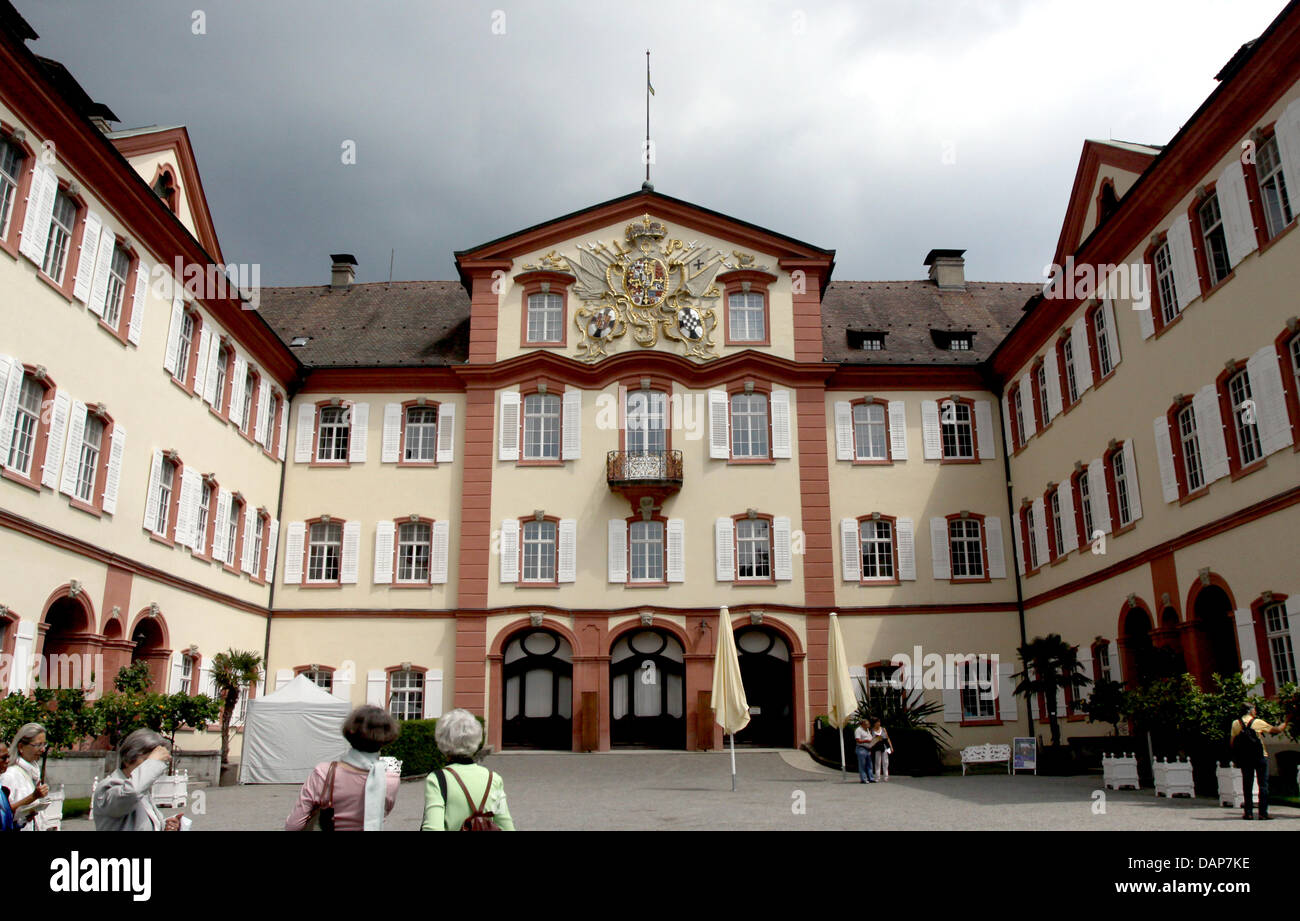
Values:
[(633, 468)]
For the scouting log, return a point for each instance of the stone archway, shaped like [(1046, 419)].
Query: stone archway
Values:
[(69, 644), (1213, 635), (149, 643)]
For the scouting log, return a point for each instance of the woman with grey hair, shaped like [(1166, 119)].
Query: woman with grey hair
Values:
[(122, 800), (23, 778), (473, 792)]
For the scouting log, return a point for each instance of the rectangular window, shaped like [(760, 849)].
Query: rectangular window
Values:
[(11, 169), (183, 348), (246, 411), (165, 484), (1103, 662), (205, 510), (1120, 473), (117, 273), (754, 549), (1164, 265), (1040, 381), (258, 531), (539, 551), (1071, 379), (56, 244), (542, 426), (1274, 194), (977, 690), (223, 355), (406, 695), (958, 430), (959, 344), (647, 422), (869, 432), (332, 439), (322, 678), (1243, 419), (92, 441), (187, 672), (1216, 240), (1058, 530), (545, 318), (745, 314), (414, 539), (1278, 630), (22, 444), (877, 542), (268, 413), (1031, 544), (421, 434), (967, 548), (326, 550), (1193, 475), (1018, 407), (232, 533), (1085, 503), (749, 425), (1105, 356), (647, 551), (873, 343)]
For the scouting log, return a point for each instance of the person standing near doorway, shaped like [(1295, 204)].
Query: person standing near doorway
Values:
[(1250, 754)]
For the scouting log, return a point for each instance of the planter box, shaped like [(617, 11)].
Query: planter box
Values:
[(1120, 771), (1231, 789), (1174, 778)]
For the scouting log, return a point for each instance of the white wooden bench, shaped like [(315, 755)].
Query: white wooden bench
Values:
[(1119, 771), (1231, 789), (989, 753), (1173, 778)]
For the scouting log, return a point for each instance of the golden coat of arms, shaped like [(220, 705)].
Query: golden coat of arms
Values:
[(646, 283)]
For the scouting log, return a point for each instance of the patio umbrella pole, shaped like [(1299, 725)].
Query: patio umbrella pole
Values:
[(733, 761), (843, 772)]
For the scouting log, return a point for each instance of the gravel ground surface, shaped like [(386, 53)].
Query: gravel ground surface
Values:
[(775, 791)]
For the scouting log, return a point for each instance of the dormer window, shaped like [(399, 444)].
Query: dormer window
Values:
[(959, 342), (952, 340), (866, 342)]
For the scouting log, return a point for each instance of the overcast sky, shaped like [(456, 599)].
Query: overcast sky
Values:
[(831, 122)]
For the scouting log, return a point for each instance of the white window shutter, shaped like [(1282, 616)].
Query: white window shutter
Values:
[(1082, 355), (1131, 474), (676, 537), (305, 434), (993, 545), (185, 506), (114, 478), (984, 430), (951, 704), (151, 498), (359, 433), (385, 545), (1246, 644), (1187, 279), (719, 426), (377, 688), (942, 569), (260, 434), (724, 540), (90, 229), (1008, 712), (617, 563), (103, 262), (906, 550), (293, 551), (1083, 693), (567, 570), (391, 450), (40, 210), (221, 526), (1108, 311), (1209, 433), (440, 552), (843, 430), (782, 557), (251, 523), (284, 428), (1040, 531), (1008, 436), (175, 673), (11, 382), (174, 336), (781, 440), (1146, 319), (1098, 497), (850, 550), (240, 365), (1287, 132), (76, 430), (1293, 614), (341, 685), (897, 430), (510, 549), (1270, 400), (1027, 406), (508, 438), (1165, 458), (53, 463), (136, 327), (209, 380), (351, 553), (571, 425), (272, 545), (1238, 223), (433, 693), (282, 677), (1018, 547), (446, 452), (1052, 370), (930, 431), (201, 360), (1065, 498)]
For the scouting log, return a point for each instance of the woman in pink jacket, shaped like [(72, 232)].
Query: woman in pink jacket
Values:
[(363, 793)]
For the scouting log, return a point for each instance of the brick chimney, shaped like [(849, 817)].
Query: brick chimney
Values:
[(343, 272), (947, 268)]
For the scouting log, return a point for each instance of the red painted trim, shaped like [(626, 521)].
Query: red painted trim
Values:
[(531, 283), (893, 539), (549, 583), (735, 550), (814, 459), (420, 403), (397, 534), (888, 459), (735, 282), (315, 433), (974, 431), (984, 546)]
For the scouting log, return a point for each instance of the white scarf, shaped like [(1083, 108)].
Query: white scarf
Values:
[(376, 786)]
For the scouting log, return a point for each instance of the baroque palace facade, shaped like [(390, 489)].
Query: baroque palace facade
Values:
[(528, 491)]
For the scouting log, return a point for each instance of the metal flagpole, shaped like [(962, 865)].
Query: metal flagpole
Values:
[(648, 90)]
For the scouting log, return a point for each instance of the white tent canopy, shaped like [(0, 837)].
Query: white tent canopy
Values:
[(289, 732)]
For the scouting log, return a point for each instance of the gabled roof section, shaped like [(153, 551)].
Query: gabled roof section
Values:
[(1132, 158), (632, 206), (138, 142)]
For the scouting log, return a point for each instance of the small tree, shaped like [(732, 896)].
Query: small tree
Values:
[(232, 670), (133, 678), (1105, 704), (1051, 664), (182, 710)]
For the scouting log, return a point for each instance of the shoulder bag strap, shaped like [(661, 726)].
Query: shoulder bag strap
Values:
[(486, 791), (329, 780), (469, 800)]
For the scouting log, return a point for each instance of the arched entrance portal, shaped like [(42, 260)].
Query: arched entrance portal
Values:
[(149, 643), (767, 671), (537, 673), (1214, 633), (68, 630), (1138, 647), (648, 690)]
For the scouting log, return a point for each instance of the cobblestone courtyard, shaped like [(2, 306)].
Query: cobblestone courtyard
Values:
[(690, 791)]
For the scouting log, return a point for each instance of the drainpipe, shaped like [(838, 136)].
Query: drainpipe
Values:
[(279, 516), (1015, 551)]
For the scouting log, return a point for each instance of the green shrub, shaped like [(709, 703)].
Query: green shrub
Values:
[(416, 749)]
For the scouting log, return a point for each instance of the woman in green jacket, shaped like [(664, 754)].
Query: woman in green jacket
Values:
[(459, 735)]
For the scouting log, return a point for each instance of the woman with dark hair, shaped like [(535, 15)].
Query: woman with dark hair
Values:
[(355, 792)]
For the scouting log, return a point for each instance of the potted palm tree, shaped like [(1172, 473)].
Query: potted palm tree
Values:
[(1051, 665), (232, 671)]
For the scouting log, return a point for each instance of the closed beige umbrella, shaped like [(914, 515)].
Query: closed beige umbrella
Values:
[(731, 710), (843, 702)]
